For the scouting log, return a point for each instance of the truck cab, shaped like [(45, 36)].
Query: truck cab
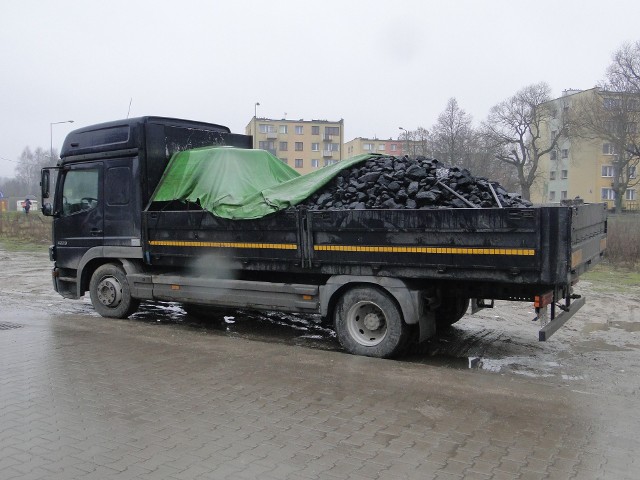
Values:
[(103, 181)]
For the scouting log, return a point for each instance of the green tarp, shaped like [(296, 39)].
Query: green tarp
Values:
[(239, 183)]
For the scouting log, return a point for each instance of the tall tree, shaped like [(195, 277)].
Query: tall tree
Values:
[(513, 130), (28, 168), (612, 114), (452, 133)]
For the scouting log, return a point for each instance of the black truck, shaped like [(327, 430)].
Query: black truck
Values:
[(382, 278)]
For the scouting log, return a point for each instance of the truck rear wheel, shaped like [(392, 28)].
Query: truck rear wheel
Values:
[(368, 322), (110, 292), (451, 310)]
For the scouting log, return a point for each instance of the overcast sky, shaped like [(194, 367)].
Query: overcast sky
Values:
[(378, 65)]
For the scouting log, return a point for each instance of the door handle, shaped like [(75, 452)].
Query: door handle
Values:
[(95, 231)]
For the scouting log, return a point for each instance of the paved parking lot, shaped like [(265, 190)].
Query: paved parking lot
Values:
[(84, 397), (147, 398)]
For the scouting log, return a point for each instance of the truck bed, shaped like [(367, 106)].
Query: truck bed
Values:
[(506, 253)]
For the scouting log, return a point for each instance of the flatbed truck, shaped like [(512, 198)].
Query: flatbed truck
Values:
[(382, 278)]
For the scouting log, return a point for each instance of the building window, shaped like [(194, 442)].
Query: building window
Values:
[(632, 172), (608, 149), (315, 130), (299, 129), (284, 129), (381, 147), (554, 133), (608, 194), (315, 163), (334, 147), (330, 131), (284, 160), (367, 146), (607, 170), (284, 146), (630, 194), (299, 146), (612, 103), (328, 161), (552, 196), (563, 195), (394, 147), (315, 147), (565, 153), (268, 145), (266, 128), (553, 154), (565, 174), (299, 163), (552, 175)]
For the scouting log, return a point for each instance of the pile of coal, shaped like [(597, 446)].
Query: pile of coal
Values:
[(386, 182)]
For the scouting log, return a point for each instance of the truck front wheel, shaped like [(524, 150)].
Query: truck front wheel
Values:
[(368, 322), (110, 292)]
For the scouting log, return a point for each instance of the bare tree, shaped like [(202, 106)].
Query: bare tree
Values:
[(611, 113), (29, 165), (452, 133), (416, 142), (625, 67), (514, 130)]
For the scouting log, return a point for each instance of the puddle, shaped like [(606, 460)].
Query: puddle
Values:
[(605, 327), (627, 326), (597, 346), (459, 348)]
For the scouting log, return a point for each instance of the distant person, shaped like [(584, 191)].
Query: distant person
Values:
[(27, 206)]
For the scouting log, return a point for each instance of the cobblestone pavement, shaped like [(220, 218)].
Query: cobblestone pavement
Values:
[(91, 398)]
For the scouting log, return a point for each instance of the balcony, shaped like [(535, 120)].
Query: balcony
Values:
[(272, 135), (327, 138), (327, 153)]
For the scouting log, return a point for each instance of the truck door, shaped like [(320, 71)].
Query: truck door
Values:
[(79, 223)]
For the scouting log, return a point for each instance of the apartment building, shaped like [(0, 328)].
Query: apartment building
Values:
[(579, 166), (305, 145), (361, 145)]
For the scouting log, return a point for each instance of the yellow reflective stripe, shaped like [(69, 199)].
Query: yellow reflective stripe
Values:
[(431, 250), (351, 248), (177, 243)]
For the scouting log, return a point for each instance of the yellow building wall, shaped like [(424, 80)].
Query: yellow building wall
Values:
[(305, 160)]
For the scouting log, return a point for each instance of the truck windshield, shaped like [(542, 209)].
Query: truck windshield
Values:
[(80, 191)]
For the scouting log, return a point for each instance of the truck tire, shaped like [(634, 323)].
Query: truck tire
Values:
[(368, 322), (110, 292), (451, 310)]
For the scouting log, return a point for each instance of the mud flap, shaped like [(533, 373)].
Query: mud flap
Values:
[(550, 328), (427, 322)]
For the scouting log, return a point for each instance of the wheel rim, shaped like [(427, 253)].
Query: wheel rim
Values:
[(109, 292), (366, 323)]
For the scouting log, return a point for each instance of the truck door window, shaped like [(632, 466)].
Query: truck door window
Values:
[(80, 191)]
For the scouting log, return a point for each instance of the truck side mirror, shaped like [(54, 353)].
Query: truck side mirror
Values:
[(47, 209), (45, 182)]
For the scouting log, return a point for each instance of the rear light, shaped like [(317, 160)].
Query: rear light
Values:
[(543, 300)]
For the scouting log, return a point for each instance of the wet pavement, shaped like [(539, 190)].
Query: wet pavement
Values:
[(245, 395)]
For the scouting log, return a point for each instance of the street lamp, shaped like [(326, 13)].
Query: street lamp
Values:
[(51, 135), (406, 138)]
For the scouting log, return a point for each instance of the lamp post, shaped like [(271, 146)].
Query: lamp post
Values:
[(51, 135), (255, 123), (406, 138)]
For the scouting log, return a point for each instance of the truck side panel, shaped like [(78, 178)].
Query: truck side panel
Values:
[(189, 237), (508, 247)]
